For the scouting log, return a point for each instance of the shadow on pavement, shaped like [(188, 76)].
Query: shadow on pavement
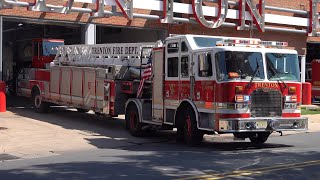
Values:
[(110, 132), (175, 164)]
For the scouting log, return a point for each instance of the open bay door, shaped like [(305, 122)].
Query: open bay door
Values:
[(157, 94)]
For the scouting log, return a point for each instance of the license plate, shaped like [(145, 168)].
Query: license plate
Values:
[(261, 124)]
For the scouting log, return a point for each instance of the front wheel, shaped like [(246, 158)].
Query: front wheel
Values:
[(192, 135), (39, 105), (259, 138), (132, 121)]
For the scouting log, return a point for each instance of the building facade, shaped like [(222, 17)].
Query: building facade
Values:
[(20, 25)]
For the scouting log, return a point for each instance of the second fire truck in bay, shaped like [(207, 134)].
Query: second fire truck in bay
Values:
[(197, 84), (315, 81)]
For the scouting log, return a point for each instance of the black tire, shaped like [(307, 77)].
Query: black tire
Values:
[(259, 138), (39, 105), (192, 135), (180, 135), (132, 121), (82, 110)]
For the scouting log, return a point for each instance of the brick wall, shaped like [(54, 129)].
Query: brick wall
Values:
[(296, 40)]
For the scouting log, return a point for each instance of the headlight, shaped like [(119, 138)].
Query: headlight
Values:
[(226, 106), (241, 106)]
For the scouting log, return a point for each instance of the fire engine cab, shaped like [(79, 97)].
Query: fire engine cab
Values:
[(197, 84)]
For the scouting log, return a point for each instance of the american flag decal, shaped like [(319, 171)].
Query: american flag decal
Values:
[(147, 74)]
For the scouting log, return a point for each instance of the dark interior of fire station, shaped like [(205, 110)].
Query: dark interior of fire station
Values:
[(18, 36), (313, 52), (17, 43)]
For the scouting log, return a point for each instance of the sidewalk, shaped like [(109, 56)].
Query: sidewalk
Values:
[(26, 134), (314, 122), (26, 137)]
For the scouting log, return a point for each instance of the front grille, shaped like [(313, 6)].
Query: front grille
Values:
[(266, 103)]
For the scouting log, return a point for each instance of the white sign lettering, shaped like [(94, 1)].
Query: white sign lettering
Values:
[(195, 11)]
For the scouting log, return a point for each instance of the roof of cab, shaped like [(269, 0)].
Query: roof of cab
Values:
[(190, 38)]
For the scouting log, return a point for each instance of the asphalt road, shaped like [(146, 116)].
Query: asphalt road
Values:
[(288, 157), (291, 157)]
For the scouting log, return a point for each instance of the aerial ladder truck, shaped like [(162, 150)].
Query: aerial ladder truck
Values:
[(197, 84)]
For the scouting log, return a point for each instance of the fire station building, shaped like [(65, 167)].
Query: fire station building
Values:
[(123, 21)]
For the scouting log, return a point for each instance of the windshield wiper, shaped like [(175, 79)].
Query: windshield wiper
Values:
[(275, 73), (254, 75)]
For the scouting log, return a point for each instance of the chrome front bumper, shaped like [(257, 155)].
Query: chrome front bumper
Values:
[(262, 124)]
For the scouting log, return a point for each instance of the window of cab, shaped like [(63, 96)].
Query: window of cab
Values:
[(204, 65)]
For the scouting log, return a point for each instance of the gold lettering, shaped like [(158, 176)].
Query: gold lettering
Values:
[(266, 85)]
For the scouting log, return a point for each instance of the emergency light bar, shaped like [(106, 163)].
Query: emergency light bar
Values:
[(241, 41), (274, 43), (248, 42)]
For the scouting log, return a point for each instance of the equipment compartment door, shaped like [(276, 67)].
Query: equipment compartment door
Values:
[(90, 88), (65, 85), (157, 94)]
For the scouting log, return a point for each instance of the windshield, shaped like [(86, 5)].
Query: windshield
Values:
[(50, 48), (240, 65), (285, 65), (206, 41)]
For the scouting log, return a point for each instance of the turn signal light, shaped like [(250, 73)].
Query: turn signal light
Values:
[(290, 98), (292, 90), (294, 98), (242, 98)]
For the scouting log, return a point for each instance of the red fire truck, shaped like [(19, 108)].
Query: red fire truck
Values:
[(197, 84), (315, 81), (43, 51)]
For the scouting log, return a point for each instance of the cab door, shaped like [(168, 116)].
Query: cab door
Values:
[(177, 76), (204, 89), (204, 78), (172, 78)]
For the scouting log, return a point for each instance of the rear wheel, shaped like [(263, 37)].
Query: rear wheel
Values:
[(192, 135), (39, 105), (259, 138), (132, 121)]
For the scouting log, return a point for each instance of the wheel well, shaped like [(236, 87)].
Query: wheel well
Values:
[(179, 122), (130, 104), (35, 89)]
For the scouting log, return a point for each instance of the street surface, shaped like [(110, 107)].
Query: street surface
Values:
[(65, 144)]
